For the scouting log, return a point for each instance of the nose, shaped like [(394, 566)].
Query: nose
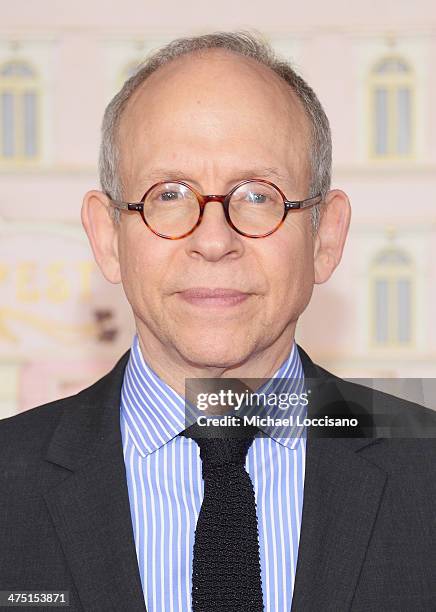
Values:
[(214, 239)]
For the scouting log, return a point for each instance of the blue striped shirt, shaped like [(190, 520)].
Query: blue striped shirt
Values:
[(165, 488)]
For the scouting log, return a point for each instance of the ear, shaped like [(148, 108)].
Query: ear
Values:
[(331, 235), (102, 233)]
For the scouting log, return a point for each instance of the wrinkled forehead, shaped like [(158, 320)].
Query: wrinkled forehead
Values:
[(209, 97)]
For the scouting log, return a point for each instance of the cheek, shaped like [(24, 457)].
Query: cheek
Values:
[(291, 269), (139, 263)]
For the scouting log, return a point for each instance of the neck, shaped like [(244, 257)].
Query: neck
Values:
[(173, 368)]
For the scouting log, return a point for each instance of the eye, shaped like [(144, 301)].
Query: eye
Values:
[(168, 196), (256, 198)]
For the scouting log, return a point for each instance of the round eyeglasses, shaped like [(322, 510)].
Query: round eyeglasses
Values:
[(254, 208)]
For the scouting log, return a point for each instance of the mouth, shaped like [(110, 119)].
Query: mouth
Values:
[(213, 297)]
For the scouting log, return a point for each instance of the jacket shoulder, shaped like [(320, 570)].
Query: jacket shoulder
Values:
[(32, 427), (391, 409), (26, 433)]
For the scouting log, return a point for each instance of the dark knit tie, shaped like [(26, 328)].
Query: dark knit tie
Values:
[(226, 567)]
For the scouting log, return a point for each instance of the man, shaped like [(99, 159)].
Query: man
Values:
[(103, 492)]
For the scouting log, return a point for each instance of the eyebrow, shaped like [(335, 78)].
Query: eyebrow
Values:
[(268, 173)]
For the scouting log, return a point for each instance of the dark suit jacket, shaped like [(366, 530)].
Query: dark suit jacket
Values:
[(368, 536)]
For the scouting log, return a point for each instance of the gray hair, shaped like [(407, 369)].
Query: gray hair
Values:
[(242, 43)]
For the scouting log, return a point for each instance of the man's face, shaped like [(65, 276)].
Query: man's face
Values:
[(214, 121)]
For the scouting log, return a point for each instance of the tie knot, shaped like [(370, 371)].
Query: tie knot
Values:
[(221, 446)]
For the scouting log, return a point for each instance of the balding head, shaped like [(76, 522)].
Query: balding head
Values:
[(242, 44), (214, 108)]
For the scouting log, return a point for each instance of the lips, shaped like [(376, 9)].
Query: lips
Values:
[(205, 292), (216, 297)]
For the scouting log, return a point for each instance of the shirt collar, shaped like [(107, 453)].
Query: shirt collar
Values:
[(154, 413)]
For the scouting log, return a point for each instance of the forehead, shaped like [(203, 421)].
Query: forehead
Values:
[(211, 101), (217, 76)]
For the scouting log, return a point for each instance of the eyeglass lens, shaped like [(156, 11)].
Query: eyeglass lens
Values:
[(172, 209)]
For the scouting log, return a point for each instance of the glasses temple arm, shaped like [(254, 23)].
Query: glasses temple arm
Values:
[(126, 205), (298, 205)]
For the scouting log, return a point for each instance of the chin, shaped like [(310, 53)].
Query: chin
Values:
[(224, 354)]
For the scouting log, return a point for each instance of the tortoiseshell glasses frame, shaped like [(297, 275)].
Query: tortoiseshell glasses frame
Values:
[(288, 205)]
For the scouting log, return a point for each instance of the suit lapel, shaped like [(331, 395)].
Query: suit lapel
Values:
[(88, 498), (342, 493)]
